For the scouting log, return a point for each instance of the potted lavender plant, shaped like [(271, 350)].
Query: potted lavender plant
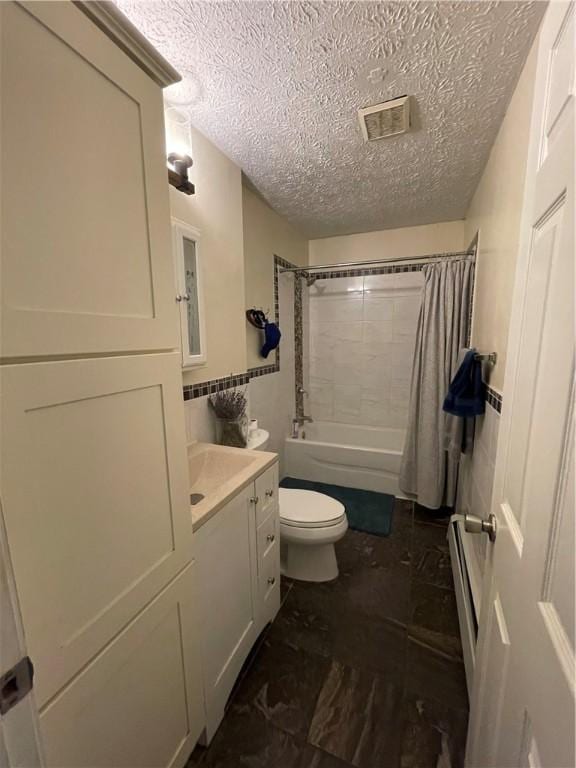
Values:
[(231, 421)]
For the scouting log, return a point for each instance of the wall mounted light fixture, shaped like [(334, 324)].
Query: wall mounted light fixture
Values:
[(178, 174)]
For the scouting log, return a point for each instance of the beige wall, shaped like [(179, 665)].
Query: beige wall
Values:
[(495, 214), (389, 243), (240, 234), (265, 234), (216, 210)]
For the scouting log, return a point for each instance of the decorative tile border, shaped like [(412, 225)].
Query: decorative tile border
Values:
[(392, 269), (192, 391), (278, 263), (473, 250), (203, 388), (298, 346), (494, 399), (298, 327), (334, 273), (262, 370)]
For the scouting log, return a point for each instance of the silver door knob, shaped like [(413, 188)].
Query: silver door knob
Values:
[(475, 524), (270, 493), (254, 500), (270, 537), (178, 297), (186, 297), (272, 580)]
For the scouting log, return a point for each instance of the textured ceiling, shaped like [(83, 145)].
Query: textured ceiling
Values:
[(276, 86)]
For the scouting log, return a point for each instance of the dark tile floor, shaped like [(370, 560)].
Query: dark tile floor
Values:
[(364, 671)]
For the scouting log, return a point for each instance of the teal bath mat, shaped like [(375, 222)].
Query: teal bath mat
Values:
[(366, 511)]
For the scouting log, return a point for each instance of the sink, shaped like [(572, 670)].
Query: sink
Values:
[(217, 473), (211, 468)]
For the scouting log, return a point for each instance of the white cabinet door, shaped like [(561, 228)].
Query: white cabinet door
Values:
[(226, 558), (139, 702), (190, 293), (85, 233), (95, 497)]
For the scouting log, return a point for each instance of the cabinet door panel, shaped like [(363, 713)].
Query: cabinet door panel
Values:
[(95, 496), (226, 558), (139, 702), (86, 252)]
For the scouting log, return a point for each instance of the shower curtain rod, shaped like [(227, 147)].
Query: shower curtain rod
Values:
[(413, 259)]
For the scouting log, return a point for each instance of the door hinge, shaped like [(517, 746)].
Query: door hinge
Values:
[(16, 684)]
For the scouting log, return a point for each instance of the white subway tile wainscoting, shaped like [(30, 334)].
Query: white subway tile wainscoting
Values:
[(362, 333)]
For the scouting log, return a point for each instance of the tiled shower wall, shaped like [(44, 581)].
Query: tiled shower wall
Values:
[(362, 333)]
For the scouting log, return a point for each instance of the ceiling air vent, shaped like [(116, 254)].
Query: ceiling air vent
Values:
[(386, 119)]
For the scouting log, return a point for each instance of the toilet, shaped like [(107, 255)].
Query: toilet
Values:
[(310, 524)]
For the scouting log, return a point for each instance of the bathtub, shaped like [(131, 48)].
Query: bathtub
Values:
[(347, 454)]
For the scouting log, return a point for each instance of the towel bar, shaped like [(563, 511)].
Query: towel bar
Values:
[(489, 357)]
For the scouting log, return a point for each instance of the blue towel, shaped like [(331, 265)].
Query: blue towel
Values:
[(272, 338), (467, 392)]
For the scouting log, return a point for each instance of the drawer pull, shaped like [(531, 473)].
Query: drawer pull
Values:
[(270, 493), (271, 537), (272, 580), (254, 500)]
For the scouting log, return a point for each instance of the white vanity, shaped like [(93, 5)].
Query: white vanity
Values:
[(237, 553)]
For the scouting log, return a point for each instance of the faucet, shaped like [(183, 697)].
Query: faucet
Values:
[(297, 422), (300, 417)]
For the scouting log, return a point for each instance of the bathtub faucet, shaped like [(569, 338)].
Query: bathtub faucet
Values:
[(302, 419)]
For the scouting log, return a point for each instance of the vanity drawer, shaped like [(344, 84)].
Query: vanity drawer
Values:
[(266, 493), (269, 580), (267, 537)]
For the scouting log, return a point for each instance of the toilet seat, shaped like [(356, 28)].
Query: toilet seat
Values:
[(309, 509)]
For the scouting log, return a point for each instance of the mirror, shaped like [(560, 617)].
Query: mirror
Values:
[(191, 288), (189, 293)]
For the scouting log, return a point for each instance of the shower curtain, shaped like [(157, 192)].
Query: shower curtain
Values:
[(427, 474)]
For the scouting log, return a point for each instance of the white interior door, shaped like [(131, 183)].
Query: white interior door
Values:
[(523, 711)]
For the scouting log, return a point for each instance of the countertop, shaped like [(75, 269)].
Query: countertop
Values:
[(213, 477)]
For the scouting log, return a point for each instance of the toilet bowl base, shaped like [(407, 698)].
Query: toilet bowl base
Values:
[(308, 563)]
